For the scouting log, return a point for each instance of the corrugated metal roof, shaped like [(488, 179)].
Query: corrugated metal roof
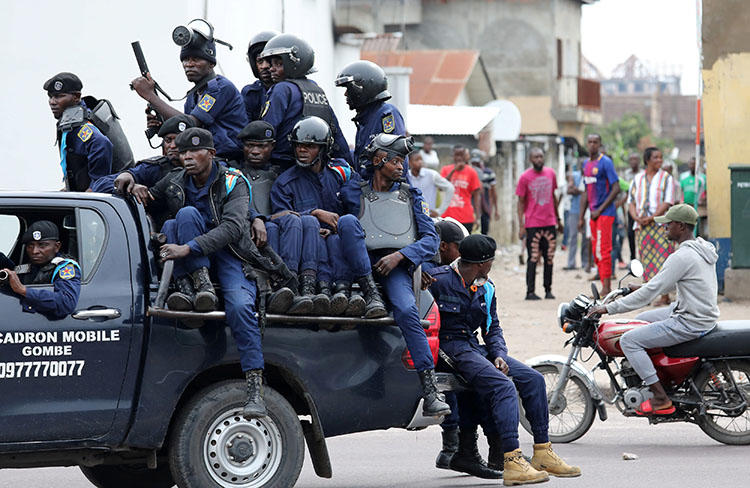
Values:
[(448, 119)]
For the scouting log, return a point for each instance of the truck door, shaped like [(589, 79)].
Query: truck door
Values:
[(62, 379)]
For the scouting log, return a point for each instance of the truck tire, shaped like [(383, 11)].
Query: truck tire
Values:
[(129, 475), (212, 445)]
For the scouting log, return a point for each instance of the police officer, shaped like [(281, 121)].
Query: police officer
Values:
[(294, 237), (254, 94), (367, 92), (48, 265), (85, 153), (311, 187), (466, 300), (393, 225), (213, 103), (147, 172), (210, 230), (293, 96)]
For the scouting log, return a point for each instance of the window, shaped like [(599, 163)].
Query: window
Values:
[(638, 87), (10, 228), (93, 234)]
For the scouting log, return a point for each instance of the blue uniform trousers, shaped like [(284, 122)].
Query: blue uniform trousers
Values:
[(499, 392), (295, 239), (239, 293), (347, 249), (467, 411)]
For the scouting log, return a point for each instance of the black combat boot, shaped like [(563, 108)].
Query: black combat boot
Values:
[(280, 300), (324, 290), (354, 305), (321, 304), (450, 446), (468, 460), (374, 306), (495, 458), (434, 401), (182, 298), (205, 296), (255, 406), (340, 298)]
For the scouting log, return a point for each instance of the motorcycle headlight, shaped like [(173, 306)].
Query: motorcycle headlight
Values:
[(562, 311)]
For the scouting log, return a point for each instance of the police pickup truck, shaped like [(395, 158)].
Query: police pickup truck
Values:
[(137, 398)]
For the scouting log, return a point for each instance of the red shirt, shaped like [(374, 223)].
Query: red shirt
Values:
[(465, 182), (538, 191)]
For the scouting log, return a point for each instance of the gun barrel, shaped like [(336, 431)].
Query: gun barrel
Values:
[(139, 57)]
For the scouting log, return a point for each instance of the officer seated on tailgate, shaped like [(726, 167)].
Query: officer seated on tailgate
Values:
[(390, 221), (85, 153), (47, 266), (466, 299)]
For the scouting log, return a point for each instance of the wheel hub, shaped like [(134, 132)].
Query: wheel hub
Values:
[(559, 406), (240, 449)]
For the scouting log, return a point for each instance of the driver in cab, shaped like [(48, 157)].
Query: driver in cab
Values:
[(692, 270)]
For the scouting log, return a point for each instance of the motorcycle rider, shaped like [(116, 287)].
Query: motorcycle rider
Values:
[(692, 270)]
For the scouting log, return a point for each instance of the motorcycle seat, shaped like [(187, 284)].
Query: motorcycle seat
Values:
[(728, 338)]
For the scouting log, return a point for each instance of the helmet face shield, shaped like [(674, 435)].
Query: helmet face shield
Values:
[(296, 54), (365, 82), (312, 130)]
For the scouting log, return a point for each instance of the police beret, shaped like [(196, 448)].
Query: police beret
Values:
[(194, 138), (63, 83), (175, 125), (257, 130), (477, 248), (41, 230), (449, 231)]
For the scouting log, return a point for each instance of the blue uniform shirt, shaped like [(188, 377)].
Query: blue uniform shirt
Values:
[(220, 109), (89, 143), (199, 197), (147, 173), (62, 299), (283, 109), (301, 190), (427, 242), (464, 310), (377, 118), (254, 96)]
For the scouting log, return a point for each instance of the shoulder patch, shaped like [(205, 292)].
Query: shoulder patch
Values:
[(425, 208), (85, 132), (67, 272), (206, 102), (265, 109), (343, 172), (388, 123)]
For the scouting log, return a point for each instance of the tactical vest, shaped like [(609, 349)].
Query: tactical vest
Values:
[(314, 101), (76, 171), (387, 217), (44, 275), (261, 181)]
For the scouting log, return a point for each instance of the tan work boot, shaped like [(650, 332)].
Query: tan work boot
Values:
[(545, 458), (518, 471)]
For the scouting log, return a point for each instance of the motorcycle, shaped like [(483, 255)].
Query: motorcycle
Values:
[(707, 379)]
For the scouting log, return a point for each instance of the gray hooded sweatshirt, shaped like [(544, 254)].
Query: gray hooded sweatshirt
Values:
[(692, 270)]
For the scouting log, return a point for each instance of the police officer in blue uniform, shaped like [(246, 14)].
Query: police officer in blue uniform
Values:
[(293, 96), (467, 301), (210, 230), (367, 92), (214, 103), (311, 187), (254, 94), (85, 153), (147, 172), (394, 233), (46, 266)]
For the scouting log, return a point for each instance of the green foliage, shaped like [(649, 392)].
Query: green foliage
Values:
[(630, 134)]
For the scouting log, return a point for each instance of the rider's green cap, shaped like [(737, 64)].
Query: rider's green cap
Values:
[(679, 213)]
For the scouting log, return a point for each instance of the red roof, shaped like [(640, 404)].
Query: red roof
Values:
[(438, 76)]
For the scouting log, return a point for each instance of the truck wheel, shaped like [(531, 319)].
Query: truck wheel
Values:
[(129, 475), (213, 445)]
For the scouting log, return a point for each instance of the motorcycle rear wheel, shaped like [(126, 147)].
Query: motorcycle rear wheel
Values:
[(576, 413), (735, 428)]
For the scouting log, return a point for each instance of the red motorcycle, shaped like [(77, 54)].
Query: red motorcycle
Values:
[(707, 379)]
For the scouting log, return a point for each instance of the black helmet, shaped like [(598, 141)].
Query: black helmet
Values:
[(394, 146), (297, 55), (257, 44), (313, 130), (366, 83)]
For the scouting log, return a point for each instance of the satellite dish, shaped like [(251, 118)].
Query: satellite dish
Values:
[(507, 125)]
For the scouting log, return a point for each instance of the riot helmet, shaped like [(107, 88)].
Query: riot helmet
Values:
[(365, 83), (256, 46), (296, 54), (393, 145), (313, 130)]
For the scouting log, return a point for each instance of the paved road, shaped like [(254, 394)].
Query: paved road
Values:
[(675, 455)]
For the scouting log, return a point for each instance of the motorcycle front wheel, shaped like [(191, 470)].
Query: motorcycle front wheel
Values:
[(727, 417), (574, 414)]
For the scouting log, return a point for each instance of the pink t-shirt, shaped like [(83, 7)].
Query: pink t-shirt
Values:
[(538, 190)]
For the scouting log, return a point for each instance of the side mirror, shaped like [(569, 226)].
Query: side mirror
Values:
[(635, 268), (595, 291)]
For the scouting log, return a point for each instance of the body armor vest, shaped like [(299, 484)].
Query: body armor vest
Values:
[(387, 218), (31, 275), (261, 181)]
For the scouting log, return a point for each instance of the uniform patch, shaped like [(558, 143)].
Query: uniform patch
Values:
[(206, 102), (58, 85), (265, 108), (181, 126), (425, 208), (67, 272), (36, 235), (388, 124), (85, 132)]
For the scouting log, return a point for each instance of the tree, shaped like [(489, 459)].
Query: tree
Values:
[(629, 134)]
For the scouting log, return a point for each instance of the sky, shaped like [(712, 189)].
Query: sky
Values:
[(662, 33)]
